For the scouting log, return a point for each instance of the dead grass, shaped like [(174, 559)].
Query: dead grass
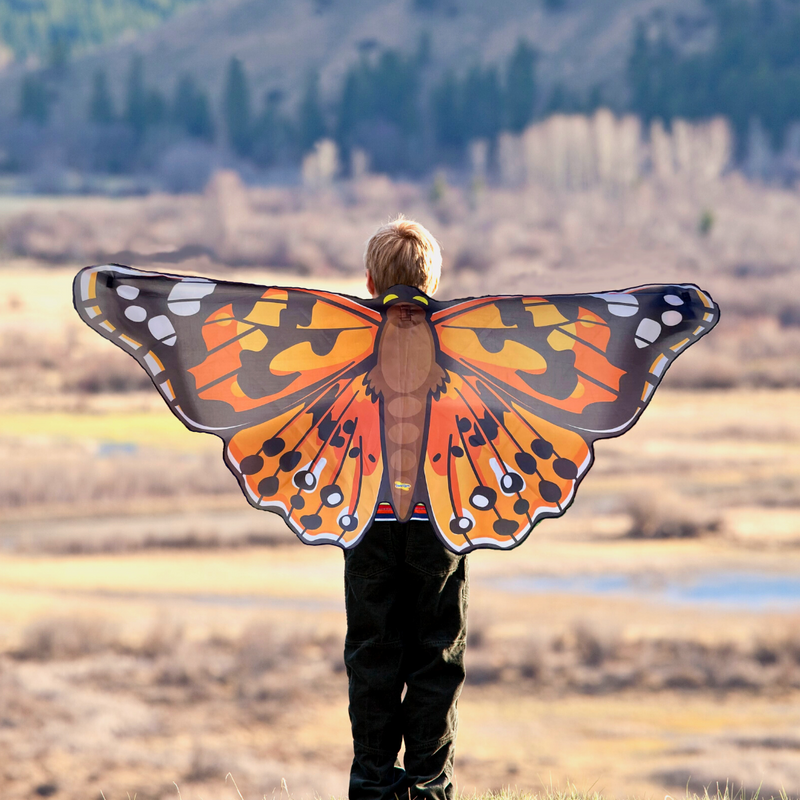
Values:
[(497, 241), (119, 704), (587, 660), (181, 674), (579, 658), (657, 517), (724, 791), (53, 474), (270, 689)]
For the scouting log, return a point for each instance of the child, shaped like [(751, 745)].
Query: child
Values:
[(406, 599)]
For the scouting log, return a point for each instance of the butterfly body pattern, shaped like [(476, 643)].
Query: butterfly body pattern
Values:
[(485, 410)]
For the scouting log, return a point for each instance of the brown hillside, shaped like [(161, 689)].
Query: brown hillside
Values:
[(582, 45)]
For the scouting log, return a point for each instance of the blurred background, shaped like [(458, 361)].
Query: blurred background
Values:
[(156, 633)]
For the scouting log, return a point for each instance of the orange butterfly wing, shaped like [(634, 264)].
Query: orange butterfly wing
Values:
[(524, 386), (277, 373), (532, 382)]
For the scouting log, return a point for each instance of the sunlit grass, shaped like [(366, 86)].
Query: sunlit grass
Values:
[(726, 792), (570, 792)]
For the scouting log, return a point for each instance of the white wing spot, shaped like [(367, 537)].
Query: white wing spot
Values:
[(673, 300), (672, 318), (622, 311), (190, 290), (647, 332), (135, 313), (186, 308), (127, 292), (161, 327), (619, 303)]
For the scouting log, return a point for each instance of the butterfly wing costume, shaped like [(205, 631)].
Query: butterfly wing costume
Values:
[(485, 410)]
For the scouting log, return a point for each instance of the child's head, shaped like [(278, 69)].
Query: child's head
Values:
[(402, 252)]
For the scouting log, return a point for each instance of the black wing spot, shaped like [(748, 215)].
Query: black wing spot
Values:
[(549, 492), (463, 424), (349, 426), (311, 521), (521, 506), (542, 448), (511, 482), (268, 486), (331, 496), (489, 426), (250, 465), (348, 522), (505, 527), (483, 497), (461, 525), (273, 446), (290, 460), (436, 458), (477, 440), (565, 469), (355, 452), (456, 451), (305, 480), (297, 501), (526, 462)]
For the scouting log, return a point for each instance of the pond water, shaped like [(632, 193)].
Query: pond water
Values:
[(752, 591)]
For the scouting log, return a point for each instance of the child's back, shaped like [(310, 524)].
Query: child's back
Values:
[(406, 598)]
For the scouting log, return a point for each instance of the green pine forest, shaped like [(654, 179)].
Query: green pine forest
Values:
[(52, 29), (389, 103)]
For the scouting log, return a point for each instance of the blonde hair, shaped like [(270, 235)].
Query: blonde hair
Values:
[(403, 252)]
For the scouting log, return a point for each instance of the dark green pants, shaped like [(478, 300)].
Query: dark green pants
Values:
[(406, 598)]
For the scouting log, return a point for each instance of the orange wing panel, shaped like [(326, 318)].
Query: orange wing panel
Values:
[(495, 468), (321, 471)]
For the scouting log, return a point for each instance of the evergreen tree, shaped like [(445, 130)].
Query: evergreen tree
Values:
[(446, 111), (311, 122), (386, 91), (351, 108), (34, 99), (58, 52), (236, 108), (274, 138), (101, 106), (155, 108), (394, 88), (136, 101), (424, 49), (520, 95), (482, 103), (752, 69), (563, 101), (190, 109)]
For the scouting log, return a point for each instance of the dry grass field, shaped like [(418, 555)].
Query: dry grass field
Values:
[(156, 633)]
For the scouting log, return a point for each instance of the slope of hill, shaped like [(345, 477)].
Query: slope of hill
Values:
[(50, 29), (581, 44)]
